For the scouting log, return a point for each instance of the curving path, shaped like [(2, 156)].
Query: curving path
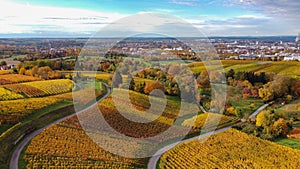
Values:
[(154, 159), (16, 154)]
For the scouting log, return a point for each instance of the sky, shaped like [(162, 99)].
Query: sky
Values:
[(84, 18)]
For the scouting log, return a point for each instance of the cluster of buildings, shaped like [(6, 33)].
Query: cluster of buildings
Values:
[(271, 48), (242, 48)]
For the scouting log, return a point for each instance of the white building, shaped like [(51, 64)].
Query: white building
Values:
[(292, 57)]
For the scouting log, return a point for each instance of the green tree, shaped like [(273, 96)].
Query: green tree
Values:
[(3, 63), (230, 73), (239, 113)]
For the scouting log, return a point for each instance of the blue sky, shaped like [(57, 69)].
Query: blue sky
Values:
[(83, 18)]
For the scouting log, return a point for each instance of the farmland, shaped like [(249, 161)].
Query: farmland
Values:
[(280, 67), (94, 156), (41, 88), (291, 110), (12, 112), (28, 103), (230, 149), (5, 72), (49, 149), (129, 112), (9, 95), (16, 78), (58, 113), (211, 120)]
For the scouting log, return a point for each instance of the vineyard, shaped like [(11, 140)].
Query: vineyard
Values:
[(9, 95), (140, 103), (280, 67), (82, 96), (41, 88), (14, 111), (66, 145), (25, 89), (5, 72), (52, 87), (230, 149), (211, 120), (16, 78)]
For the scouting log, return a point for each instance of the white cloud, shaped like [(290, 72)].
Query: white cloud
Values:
[(185, 2), (285, 9), (25, 18), (31, 19)]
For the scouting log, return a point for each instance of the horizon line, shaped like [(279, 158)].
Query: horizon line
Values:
[(92, 37)]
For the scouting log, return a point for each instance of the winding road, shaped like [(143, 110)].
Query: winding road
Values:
[(253, 115), (154, 159), (16, 154)]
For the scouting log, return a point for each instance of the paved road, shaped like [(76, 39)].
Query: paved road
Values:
[(154, 159), (15, 157), (253, 115)]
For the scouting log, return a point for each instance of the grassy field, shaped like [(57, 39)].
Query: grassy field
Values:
[(234, 97), (291, 110), (289, 142), (13, 57)]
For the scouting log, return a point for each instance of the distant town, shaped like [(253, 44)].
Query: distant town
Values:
[(14, 51)]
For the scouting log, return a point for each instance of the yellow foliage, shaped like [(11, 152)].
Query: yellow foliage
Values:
[(51, 87), (8, 95), (211, 120), (66, 145), (230, 149), (15, 110)]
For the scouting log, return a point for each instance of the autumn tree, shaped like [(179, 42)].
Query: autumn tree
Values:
[(203, 80), (266, 92), (278, 88), (295, 88), (281, 86), (264, 118), (139, 87), (22, 71), (230, 110), (280, 128), (152, 86), (44, 72)]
